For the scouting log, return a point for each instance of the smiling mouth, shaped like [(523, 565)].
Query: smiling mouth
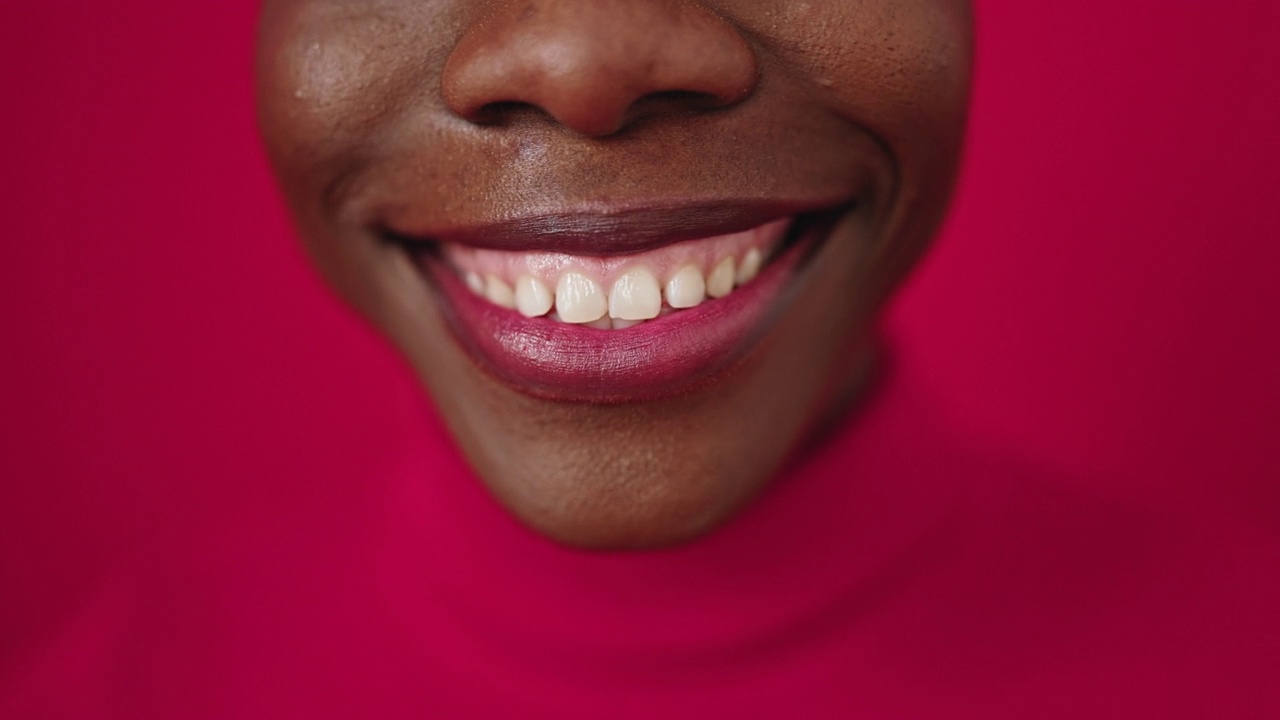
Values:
[(599, 314)]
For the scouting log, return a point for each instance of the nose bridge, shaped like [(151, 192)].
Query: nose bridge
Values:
[(588, 63)]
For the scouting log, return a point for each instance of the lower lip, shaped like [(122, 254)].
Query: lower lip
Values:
[(670, 355)]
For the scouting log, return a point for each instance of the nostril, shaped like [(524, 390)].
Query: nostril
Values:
[(672, 103), (677, 100), (503, 112), (685, 99)]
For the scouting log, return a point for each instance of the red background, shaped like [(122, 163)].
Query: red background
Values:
[(1104, 297)]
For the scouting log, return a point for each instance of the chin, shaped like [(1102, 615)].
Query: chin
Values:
[(620, 476)]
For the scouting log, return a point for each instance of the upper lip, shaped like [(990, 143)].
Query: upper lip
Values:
[(612, 230)]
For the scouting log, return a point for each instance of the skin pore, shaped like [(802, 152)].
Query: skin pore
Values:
[(602, 133)]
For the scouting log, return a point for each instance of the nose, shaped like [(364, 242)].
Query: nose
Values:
[(596, 66)]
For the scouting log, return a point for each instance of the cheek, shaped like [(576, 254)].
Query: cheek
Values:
[(895, 67), (327, 75)]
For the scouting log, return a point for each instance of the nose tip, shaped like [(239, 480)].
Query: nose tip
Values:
[(596, 66)]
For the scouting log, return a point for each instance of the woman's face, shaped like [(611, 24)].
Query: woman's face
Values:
[(633, 248)]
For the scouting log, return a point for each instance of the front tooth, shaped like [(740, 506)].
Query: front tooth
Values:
[(686, 288), (750, 266), (476, 283), (533, 298), (635, 296), (579, 299), (499, 293), (720, 281)]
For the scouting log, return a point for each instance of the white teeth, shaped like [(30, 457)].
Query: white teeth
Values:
[(750, 266), (635, 296), (499, 293), (533, 298), (720, 281), (686, 288), (579, 299)]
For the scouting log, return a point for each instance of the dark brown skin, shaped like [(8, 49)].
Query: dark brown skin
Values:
[(402, 112)]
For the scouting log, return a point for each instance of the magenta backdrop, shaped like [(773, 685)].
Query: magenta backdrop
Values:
[(1107, 293), (1104, 298)]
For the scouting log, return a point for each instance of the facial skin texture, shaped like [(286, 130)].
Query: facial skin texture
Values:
[(426, 114)]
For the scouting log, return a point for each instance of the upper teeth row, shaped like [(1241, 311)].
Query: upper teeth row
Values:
[(636, 295)]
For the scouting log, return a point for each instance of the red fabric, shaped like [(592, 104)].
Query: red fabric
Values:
[(222, 496)]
